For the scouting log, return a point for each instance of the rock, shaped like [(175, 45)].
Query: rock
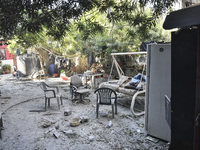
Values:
[(67, 112), (138, 131), (69, 132), (91, 138), (56, 134), (46, 124), (57, 126), (154, 140), (84, 119)]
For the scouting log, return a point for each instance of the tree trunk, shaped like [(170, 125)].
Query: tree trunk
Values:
[(44, 58)]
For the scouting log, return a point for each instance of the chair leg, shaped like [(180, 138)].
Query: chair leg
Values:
[(113, 111), (48, 102), (81, 97), (115, 107), (58, 102), (97, 110), (45, 103), (72, 94), (61, 100)]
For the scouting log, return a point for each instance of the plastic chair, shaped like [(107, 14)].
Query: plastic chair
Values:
[(76, 81), (78, 91), (106, 96), (79, 94), (51, 92), (133, 104)]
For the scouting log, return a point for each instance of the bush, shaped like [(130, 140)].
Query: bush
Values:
[(6, 67), (1, 71)]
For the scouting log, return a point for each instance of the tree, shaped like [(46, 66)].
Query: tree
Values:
[(18, 16), (43, 44)]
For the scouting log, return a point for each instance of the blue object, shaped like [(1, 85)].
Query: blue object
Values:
[(136, 80), (52, 69)]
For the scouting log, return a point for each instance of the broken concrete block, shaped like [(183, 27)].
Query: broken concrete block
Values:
[(69, 132), (46, 124), (84, 119), (56, 134), (67, 112), (57, 126), (149, 138)]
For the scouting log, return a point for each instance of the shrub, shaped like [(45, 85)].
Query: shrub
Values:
[(6, 67)]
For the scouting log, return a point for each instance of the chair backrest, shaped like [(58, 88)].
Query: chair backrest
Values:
[(76, 81), (43, 86), (105, 95)]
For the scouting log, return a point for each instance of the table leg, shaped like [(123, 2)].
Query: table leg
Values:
[(93, 82)]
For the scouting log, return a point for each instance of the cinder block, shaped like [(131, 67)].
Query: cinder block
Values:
[(67, 112)]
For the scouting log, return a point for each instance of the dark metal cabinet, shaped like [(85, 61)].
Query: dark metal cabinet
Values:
[(185, 95)]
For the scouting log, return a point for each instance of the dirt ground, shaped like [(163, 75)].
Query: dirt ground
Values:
[(25, 130)]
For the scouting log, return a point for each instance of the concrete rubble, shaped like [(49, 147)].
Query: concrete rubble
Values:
[(51, 130)]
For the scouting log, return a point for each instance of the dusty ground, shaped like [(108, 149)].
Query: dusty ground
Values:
[(24, 129)]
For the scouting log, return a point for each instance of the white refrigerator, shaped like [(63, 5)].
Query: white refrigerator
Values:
[(158, 85)]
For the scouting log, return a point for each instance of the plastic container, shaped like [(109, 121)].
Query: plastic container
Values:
[(110, 124)]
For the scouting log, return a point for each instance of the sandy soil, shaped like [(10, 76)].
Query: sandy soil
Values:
[(25, 130)]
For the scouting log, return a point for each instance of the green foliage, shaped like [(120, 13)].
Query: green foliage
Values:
[(94, 30), (18, 16), (6, 67), (62, 71)]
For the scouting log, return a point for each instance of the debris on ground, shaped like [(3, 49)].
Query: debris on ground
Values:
[(52, 129), (84, 119), (46, 124), (69, 133), (74, 122), (67, 112)]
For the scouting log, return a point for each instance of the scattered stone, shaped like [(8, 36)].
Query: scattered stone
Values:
[(91, 138), (42, 138), (69, 132), (138, 131), (112, 132), (46, 124), (141, 125), (50, 130), (67, 112), (56, 134), (151, 139), (57, 126), (84, 119)]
